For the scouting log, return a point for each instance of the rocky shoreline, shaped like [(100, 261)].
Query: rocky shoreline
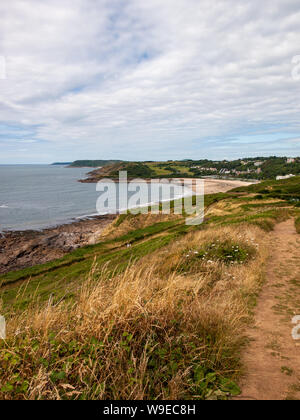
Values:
[(21, 249)]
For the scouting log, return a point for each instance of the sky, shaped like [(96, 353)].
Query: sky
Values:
[(148, 80)]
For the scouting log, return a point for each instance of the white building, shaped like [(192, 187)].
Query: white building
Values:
[(278, 178)]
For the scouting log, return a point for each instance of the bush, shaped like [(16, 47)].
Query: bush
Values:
[(226, 252)]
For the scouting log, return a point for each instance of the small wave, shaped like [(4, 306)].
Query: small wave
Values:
[(90, 216), (3, 206)]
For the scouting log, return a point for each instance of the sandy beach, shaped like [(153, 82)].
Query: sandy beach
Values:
[(213, 186)]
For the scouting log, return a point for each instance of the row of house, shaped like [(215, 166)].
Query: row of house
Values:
[(236, 172), (257, 164), (204, 169), (279, 177), (225, 171)]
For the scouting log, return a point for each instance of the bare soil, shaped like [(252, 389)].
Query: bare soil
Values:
[(272, 360)]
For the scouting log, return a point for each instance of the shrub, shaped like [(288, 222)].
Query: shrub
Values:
[(226, 252)]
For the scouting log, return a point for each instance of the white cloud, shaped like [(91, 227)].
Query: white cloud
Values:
[(148, 79)]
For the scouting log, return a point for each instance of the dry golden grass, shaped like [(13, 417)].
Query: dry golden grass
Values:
[(222, 208), (121, 227), (151, 332), (230, 207)]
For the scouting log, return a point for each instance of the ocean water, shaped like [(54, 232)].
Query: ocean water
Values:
[(40, 196)]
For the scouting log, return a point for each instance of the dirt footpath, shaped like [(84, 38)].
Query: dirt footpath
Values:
[(272, 360)]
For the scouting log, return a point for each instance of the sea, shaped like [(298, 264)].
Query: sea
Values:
[(34, 197)]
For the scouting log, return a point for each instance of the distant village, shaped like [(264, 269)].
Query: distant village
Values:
[(248, 168)]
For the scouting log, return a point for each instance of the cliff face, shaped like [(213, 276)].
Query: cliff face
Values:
[(109, 171), (134, 170)]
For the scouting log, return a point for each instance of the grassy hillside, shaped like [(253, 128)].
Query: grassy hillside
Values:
[(92, 163), (145, 170), (287, 189), (250, 168), (156, 309)]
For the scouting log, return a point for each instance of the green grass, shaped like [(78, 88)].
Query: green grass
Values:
[(78, 363), (287, 189), (226, 252), (163, 169), (297, 224), (61, 278), (159, 171), (265, 219), (177, 343)]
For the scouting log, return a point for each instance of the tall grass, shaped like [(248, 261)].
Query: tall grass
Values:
[(152, 332)]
